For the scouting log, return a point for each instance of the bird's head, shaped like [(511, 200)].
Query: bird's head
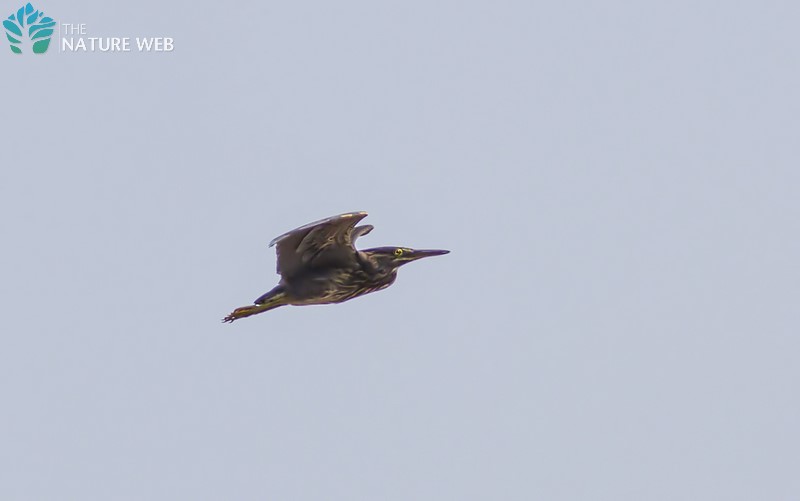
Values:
[(391, 258)]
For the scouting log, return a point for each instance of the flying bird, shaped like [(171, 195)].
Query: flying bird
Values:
[(319, 264)]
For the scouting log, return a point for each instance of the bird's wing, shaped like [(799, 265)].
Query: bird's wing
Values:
[(327, 242), (360, 231)]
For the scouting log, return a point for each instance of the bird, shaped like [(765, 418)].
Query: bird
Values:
[(319, 264)]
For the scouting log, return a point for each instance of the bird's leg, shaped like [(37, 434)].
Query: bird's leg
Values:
[(266, 304), (246, 311)]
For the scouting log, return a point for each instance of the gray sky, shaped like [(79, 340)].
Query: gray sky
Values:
[(618, 319)]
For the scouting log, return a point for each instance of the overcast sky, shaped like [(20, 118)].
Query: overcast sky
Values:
[(618, 319)]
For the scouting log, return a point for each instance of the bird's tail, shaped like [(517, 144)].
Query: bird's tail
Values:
[(269, 301)]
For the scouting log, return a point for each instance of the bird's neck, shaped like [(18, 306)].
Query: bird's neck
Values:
[(372, 267)]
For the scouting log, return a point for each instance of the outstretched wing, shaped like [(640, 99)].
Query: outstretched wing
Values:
[(327, 242)]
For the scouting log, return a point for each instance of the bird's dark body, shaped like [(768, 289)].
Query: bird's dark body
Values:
[(319, 264), (330, 286)]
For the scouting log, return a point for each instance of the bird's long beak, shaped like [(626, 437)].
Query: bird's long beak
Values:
[(420, 253)]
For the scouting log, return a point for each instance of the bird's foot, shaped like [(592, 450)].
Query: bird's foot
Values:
[(244, 311)]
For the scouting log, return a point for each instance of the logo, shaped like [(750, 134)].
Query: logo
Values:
[(29, 29)]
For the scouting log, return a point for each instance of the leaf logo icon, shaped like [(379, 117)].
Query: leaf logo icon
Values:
[(29, 27)]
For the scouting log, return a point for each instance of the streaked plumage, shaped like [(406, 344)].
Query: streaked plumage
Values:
[(319, 264)]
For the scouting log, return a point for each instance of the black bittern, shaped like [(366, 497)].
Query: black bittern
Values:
[(319, 264)]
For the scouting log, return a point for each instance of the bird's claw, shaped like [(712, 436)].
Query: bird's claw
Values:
[(244, 311)]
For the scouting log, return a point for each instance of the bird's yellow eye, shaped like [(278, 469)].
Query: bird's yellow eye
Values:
[(398, 252)]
